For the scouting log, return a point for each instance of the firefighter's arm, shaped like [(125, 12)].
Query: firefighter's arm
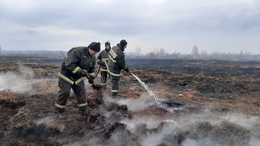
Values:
[(99, 59), (121, 63), (71, 62), (91, 70)]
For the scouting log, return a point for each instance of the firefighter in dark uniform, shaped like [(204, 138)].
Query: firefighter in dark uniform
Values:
[(79, 62), (116, 63), (102, 57)]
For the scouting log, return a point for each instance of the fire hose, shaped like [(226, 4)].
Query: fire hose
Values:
[(95, 86), (108, 69)]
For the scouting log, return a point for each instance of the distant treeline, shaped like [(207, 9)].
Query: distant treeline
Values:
[(156, 54), (35, 53), (160, 53)]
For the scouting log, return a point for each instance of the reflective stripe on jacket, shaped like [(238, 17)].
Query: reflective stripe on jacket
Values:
[(103, 56), (77, 60), (116, 60)]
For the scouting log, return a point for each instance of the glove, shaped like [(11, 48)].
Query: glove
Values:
[(91, 80), (83, 73), (100, 62), (127, 70)]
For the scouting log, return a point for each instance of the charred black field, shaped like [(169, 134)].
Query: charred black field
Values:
[(205, 102)]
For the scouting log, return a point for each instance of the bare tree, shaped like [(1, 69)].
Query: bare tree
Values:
[(152, 55), (62, 53), (137, 51), (195, 50), (161, 52), (241, 52)]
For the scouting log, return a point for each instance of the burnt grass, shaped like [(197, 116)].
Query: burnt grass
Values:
[(30, 119), (212, 78)]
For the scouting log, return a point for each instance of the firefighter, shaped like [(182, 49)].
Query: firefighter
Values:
[(79, 62), (116, 63), (103, 56)]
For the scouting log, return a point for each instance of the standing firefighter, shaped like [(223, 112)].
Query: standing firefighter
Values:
[(79, 62), (116, 63), (102, 57)]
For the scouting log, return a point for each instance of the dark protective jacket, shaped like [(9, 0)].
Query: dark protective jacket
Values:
[(103, 56), (116, 60), (77, 60)]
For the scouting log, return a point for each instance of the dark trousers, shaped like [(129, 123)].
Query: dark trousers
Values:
[(104, 78), (115, 87), (64, 93)]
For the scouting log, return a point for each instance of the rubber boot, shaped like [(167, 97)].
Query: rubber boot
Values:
[(84, 111), (104, 87), (114, 95), (59, 110)]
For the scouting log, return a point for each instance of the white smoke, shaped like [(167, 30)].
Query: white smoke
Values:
[(189, 142), (46, 120), (20, 81), (154, 139), (137, 104), (23, 81), (150, 122), (254, 141), (177, 124)]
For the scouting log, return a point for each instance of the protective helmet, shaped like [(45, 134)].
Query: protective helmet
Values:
[(123, 43), (107, 43)]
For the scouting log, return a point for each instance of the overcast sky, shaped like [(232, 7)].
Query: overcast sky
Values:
[(220, 25)]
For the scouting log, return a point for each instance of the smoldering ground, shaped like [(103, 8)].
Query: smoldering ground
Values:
[(29, 118), (141, 122), (16, 81), (24, 80), (188, 129)]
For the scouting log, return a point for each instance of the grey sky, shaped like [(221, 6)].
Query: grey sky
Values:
[(223, 25)]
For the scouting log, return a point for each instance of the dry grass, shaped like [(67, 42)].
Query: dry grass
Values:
[(46, 86), (50, 87), (57, 126), (240, 107), (22, 112), (21, 125), (126, 93), (8, 94), (190, 94)]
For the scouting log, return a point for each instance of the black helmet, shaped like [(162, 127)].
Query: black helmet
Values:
[(107, 43), (95, 46), (123, 43)]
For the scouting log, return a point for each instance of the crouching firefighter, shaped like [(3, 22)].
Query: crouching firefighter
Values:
[(79, 62), (101, 59), (116, 63)]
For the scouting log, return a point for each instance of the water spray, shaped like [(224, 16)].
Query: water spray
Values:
[(169, 106), (146, 88)]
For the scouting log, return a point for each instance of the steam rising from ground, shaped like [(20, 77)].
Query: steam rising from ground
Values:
[(204, 129), (137, 104), (200, 128), (189, 129), (23, 81), (17, 81)]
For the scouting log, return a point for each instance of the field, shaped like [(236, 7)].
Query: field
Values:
[(201, 102)]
